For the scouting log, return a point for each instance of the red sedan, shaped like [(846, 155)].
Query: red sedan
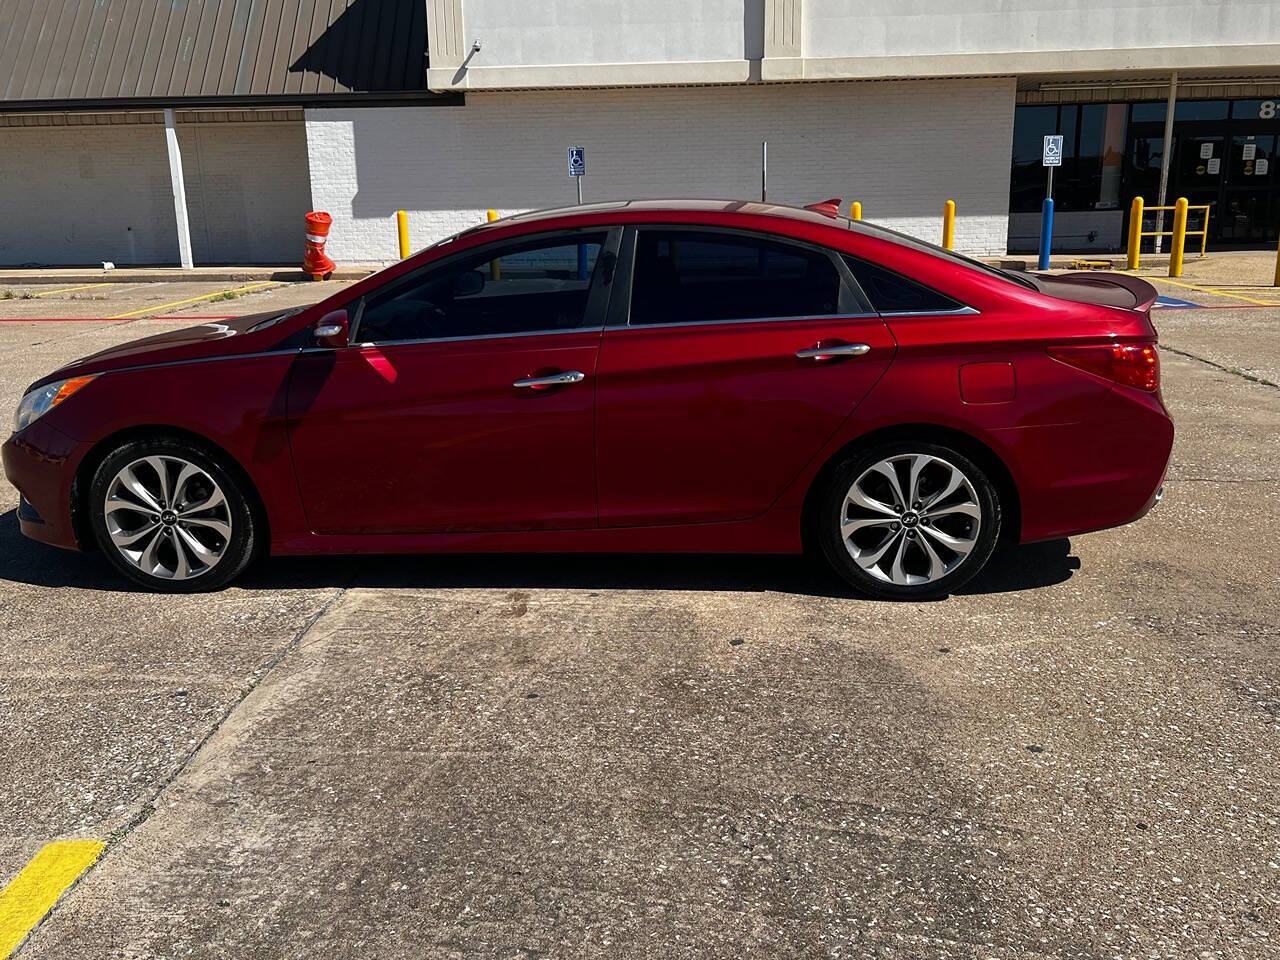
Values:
[(624, 377)]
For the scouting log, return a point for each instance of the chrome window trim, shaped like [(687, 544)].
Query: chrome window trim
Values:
[(958, 312), (479, 336)]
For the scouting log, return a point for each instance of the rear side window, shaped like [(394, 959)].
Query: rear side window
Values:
[(691, 276), (891, 292)]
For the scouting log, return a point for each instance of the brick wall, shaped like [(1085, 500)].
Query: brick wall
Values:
[(901, 147)]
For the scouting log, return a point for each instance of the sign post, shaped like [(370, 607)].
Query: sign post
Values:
[(1052, 158), (578, 167)]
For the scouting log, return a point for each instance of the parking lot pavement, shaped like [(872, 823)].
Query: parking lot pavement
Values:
[(132, 301), (1235, 333), (672, 756)]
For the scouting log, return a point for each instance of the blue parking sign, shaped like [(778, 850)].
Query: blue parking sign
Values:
[(577, 161)]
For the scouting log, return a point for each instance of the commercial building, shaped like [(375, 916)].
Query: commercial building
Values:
[(447, 108)]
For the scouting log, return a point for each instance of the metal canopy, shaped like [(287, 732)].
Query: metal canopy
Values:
[(73, 54)]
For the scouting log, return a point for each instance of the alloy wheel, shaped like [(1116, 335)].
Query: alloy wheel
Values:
[(910, 519), (167, 517)]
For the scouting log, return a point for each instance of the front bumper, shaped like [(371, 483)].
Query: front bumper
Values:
[(41, 462)]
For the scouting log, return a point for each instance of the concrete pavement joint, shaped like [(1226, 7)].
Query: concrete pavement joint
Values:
[(149, 805), (1218, 366)]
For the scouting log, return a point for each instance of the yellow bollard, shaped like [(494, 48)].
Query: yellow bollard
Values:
[(949, 225), (402, 224), (1135, 233), (1179, 237), (491, 216), (855, 210)]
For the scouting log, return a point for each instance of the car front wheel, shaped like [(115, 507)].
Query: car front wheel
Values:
[(169, 516), (908, 520)]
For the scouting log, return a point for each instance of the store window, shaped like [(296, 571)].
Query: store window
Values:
[(1185, 110), (1268, 109), (1092, 156)]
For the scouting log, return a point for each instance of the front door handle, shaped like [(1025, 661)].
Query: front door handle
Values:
[(833, 351), (551, 380)]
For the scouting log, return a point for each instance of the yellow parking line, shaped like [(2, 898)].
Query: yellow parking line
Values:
[(206, 296), (1215, 290), (37, 887), (87, 286)]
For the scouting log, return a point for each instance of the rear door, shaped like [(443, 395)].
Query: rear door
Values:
[(713, 388)]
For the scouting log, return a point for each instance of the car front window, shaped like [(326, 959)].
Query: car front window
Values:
[(511, 288)]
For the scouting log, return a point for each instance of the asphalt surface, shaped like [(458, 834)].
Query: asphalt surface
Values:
[(669, 757)]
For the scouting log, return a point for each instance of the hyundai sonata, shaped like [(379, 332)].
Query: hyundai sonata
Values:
[(628, 377)]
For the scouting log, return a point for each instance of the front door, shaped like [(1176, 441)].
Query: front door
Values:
[(466, 400), (713, 391)]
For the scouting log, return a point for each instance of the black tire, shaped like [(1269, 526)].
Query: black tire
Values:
[(834, 508), (237, 551)]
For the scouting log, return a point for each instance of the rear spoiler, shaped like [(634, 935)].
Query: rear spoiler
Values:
[(1112, 289), (828, 208)]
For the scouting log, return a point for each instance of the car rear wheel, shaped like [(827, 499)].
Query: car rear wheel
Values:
[(169, 516), (908, 520)]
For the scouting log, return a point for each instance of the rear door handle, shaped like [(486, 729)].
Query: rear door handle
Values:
[(551, 380), (834, 350)]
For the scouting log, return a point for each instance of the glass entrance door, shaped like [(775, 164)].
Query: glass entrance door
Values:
[(1248, 210)]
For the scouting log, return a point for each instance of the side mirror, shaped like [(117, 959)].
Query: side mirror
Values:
[(333, 329), (468, 284)]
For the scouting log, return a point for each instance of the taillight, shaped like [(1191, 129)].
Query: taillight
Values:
[(1132, 364)]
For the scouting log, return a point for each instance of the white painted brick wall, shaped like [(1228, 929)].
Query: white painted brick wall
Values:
[(81, 194), (901, 147)]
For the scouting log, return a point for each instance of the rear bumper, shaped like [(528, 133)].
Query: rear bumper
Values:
[(1105, 472), (40, 461)]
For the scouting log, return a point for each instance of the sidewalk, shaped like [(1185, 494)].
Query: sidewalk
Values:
[(22, 276), (1245, 268)]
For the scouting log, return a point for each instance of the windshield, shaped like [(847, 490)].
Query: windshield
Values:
[(893, 236)]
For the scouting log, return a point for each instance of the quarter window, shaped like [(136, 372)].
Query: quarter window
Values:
[(512, 288), (690, 276), (891, 292)]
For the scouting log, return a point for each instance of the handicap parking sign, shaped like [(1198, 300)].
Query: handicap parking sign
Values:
[(1053, 150), (577, 161)]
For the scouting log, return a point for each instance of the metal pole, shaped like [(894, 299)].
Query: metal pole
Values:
[(1170, 104), (1046, 232), (764, 171), (1048, 191), (579, 182), (179, 190)]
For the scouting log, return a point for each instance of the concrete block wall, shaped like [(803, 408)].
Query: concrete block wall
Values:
[(901, 147), (75, 195), (83, 193)]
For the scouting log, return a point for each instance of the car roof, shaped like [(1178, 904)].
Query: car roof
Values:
[(677, 206)]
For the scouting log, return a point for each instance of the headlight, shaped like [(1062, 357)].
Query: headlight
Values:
[(43, 399)]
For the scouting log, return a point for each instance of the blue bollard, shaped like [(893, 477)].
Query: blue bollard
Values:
[(1046, 233)]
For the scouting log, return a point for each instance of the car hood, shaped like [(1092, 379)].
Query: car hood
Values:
[(1104, 289), (241, 335)]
